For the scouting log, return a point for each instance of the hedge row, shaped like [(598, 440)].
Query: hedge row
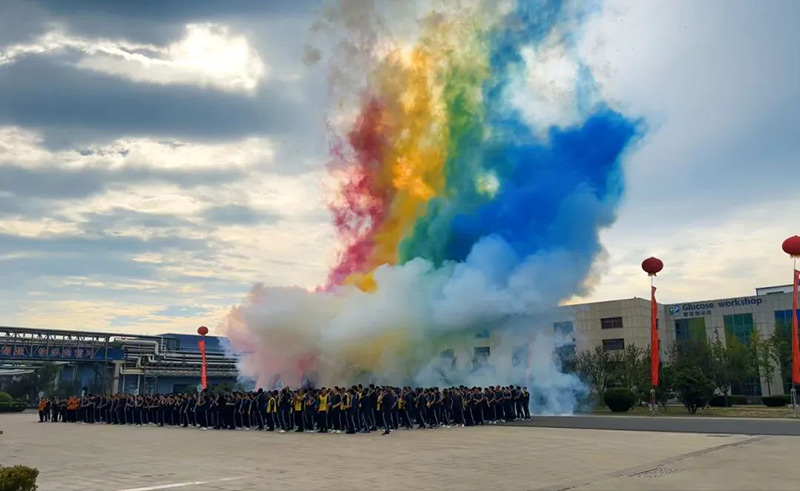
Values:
[(776, 401), (619, 400), (719, 401), (12, 407), (18, 478)]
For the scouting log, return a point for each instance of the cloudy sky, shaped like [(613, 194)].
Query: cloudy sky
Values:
[(158, 158)]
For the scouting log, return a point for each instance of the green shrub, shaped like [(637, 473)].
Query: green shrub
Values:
[(619, 399), (5, 397), (694, 388), (18, 478), (776, 401), (12, 407)]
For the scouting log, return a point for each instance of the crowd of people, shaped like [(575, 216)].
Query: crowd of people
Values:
[(338, 409)]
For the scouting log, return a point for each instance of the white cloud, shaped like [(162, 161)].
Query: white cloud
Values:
[(25, 148), (712, 187), (208, 55), (546, 90)]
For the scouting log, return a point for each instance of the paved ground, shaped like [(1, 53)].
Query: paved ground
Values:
[(680, 424), (99, 457)]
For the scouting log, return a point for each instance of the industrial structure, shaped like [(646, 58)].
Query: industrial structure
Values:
[(106, 362)]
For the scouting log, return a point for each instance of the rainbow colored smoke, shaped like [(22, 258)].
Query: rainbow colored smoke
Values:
[(473, 188)]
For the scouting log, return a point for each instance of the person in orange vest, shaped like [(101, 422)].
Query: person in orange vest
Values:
[(43, 413), (72, 409)]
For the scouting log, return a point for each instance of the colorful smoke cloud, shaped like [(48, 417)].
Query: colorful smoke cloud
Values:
[(476, 165)]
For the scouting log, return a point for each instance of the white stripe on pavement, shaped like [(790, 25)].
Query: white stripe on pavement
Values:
[(181, 484)]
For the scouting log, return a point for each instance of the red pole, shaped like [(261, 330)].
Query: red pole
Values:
[(652, 266), (795, 343), (653, 335)]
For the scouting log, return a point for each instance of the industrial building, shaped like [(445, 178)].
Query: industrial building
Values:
[(615, 324), (105, 362), (171, 362)]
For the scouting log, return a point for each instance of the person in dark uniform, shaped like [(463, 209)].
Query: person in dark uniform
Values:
[(310, 411), (516, 398), (349, 411), (386, 403), (477, 410), (405, 403), (526, 403), (419, 408), (372, 407), (201, 410), (335, 416), (284, 409)]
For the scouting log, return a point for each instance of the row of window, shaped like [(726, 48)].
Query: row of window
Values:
[(739, 326)]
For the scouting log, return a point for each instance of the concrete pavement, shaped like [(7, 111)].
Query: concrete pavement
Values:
[(678, 424), (101, 457)]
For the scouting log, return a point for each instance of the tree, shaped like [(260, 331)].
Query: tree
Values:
[(730, 362), (766, 358), (693, 387), (29, 385), (594, 368), (629, 367), (666, 385), (782, 348)]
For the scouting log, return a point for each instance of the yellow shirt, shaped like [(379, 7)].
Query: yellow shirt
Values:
[(323, 403), (380, 399), (271, 406), (298, 403)]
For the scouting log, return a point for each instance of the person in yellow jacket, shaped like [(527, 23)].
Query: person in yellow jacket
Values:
[(272, 410), (298, 410), (322, 410)]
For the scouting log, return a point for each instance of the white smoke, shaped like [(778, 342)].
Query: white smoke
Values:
[(396, 335)]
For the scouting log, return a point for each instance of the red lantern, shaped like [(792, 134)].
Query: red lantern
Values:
[(791, 246), (652, 266), (202, 330)]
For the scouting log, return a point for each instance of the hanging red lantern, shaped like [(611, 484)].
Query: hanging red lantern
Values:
[(202, 330), (791, 246), (652, 266)]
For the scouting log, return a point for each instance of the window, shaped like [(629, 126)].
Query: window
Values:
[(563, 328), (565, 353), (738, 326), (481, 354), (783, 319), (611, 323), (482, 334), (690, 329), (613, 344)]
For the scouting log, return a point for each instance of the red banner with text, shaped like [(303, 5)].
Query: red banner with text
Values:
[(203, 378)]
